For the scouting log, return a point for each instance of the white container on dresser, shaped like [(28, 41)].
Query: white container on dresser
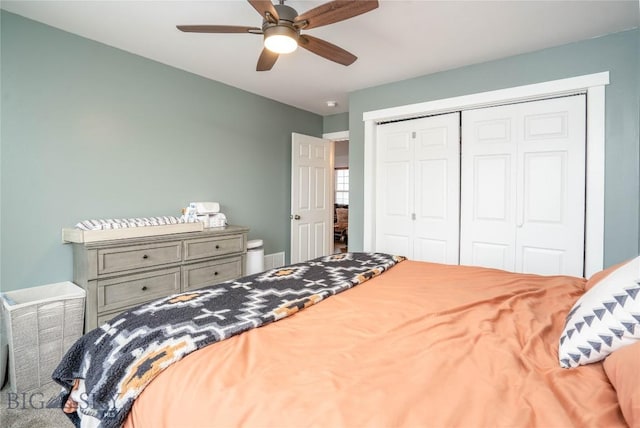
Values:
[(119, 274)]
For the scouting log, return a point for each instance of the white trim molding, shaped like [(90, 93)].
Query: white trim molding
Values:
[(336, 136), (591, 84)]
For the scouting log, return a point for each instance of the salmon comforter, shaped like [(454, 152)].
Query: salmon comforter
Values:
[(422, 345)]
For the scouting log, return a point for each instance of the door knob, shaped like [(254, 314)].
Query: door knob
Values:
[(294, 217)]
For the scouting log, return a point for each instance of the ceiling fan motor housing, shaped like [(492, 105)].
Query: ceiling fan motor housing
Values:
[(285, 25), (286, 18), (286, 13)]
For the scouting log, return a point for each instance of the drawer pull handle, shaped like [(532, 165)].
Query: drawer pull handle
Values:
[(215, 273), (145, 257), (144, 288), (217, 247)]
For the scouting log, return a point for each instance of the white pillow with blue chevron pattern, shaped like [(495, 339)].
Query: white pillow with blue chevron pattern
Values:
[(605, 318)]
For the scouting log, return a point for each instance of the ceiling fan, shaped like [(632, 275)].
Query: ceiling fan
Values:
[(281, 27)]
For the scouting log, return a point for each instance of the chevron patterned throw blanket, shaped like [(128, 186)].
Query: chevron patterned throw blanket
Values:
[(118, 360)]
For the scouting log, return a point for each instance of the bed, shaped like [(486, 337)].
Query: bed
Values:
[(400, 344)]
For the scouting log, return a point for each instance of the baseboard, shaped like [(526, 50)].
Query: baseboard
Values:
[(274, 260)]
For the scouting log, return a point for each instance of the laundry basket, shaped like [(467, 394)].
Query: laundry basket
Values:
[(255, 257), (41, 324)]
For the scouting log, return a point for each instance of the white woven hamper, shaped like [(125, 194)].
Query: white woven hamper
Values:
[(41, 324)]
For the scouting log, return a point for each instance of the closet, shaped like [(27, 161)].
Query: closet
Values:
[(500, 187)]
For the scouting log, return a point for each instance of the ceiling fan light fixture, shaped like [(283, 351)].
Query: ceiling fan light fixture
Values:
[(281, 39), (281, 26)]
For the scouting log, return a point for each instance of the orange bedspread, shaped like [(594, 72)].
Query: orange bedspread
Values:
[(423, 345)]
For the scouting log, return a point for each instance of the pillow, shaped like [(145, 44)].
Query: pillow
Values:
[(623, 370), (605, 318), (599, 276)]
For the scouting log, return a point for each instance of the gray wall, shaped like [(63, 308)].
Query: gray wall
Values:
[(617, 53), (89, 131), (335, 123)]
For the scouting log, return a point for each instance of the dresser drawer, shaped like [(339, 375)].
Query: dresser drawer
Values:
[(208, 273), (138, 256), (127, 290), (210, 247), (107, 317)]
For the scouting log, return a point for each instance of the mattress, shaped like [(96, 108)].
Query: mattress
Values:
[(422, 345)]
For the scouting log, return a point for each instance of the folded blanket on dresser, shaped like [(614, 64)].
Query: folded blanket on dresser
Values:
[(117, 360)]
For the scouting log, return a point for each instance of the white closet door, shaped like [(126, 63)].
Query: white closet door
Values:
[(417, 202), (523, 184), (488, 184), (394, 184), (437, 189), (551, 212)]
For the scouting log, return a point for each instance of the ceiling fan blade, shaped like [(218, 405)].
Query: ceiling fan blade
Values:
[(218, 29), (326, 50), (266, 60), (263, 6), (335, 11)]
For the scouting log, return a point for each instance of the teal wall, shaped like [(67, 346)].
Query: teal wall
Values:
[(336, 123), (617, 53), (89, 131)]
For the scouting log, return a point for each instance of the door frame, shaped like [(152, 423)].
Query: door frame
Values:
[(333, 137), (336, 136), (591, 84)]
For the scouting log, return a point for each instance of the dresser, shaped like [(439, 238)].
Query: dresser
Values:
[(122, 273)]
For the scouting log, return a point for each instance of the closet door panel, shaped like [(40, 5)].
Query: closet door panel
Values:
[(394, 204), (395, 232), (431, 209), (492, 185), (550, 226), (523, 186), (437, 187), (489, 254), (431, 176), (488, 184), (542, 261), (417, 177), (545, 187)]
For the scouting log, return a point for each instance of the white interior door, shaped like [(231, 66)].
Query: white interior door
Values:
[(417, 202), (523, 187), (311, 197)]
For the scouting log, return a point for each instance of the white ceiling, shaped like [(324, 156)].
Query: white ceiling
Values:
[(399, 40)]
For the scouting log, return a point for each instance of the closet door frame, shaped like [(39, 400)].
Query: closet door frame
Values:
[(593, 85)]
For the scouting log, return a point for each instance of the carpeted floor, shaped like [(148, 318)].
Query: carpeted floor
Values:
[(29, 410)]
